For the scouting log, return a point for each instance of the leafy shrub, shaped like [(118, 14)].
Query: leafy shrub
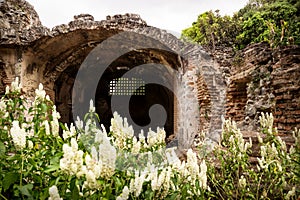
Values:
[(231, 176), (86, 162), (274, 21), (212, 30)]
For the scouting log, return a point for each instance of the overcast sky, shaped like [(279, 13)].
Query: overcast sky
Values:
[(173, 15)]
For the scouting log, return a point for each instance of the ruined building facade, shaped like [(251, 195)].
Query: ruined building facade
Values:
[(198, 89)]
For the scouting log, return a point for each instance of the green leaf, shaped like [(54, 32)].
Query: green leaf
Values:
[(150, 194), (74, 189), (118, 182), (37, 179), (14, 157), (44, 107), (25, 189), (2, 149), (32, 162), (173, 196), (51, 168), (9, 179)]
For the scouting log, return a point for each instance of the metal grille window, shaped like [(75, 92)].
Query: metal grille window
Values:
[(126, 86)]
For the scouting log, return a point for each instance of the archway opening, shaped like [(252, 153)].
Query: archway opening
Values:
[(139, 105), (237, 99)]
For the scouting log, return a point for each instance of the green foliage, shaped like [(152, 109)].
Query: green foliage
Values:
[(37, 163), (231, 176), (23, 173), (274, 21), (211, 29), (86, 162), (296, 154)]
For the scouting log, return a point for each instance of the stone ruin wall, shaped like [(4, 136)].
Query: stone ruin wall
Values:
[(257, 79), (36, 54), (265, 80)]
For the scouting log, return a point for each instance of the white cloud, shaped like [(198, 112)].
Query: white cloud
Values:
[(171, 15)]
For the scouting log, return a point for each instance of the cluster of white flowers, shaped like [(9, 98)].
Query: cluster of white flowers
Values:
[(72, 161), (260, 140), (53, 193), (47, 127), (196, 172), (99, 163), (18, 135), (282, 144), (40, 92), (156, 138), (105, 152), (54, 123), (269, 154), (15, 86), (236, 139), (100, 135), (136, 146), (296, 135), (92, 170), (124, 138), (92, 107), (2, 105), (124, 195), (122, 132), (154, 141), (242, 182), (291, 193), (192, 166), (188, 171), (79, 123), (40, 95), (162, 182), (136, 184), (202, 175), (266, 122), (108, 156), (160, 177), (229, 126), (172, 157), (70, 132)]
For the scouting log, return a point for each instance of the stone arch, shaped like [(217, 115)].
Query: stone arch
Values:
[(237, 96), (48, 55), (196, 64), (65, 74)]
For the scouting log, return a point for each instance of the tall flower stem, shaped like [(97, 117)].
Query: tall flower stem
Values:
[(258, 186), (3, 197), (22, 166)]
